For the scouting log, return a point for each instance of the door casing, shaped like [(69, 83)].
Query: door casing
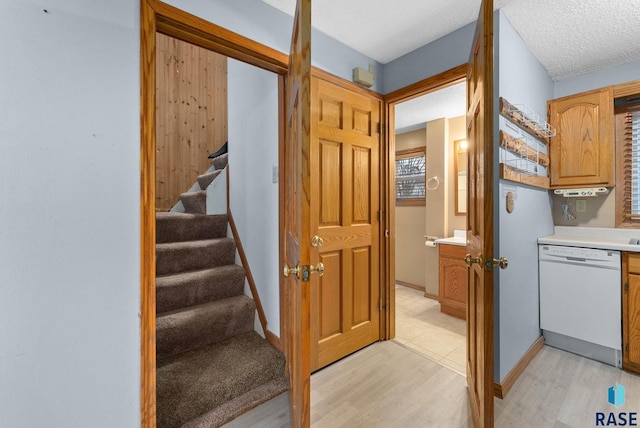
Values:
[(156, 16), (439, 81)]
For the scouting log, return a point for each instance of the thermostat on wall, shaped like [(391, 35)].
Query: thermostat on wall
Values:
[(582, 192)]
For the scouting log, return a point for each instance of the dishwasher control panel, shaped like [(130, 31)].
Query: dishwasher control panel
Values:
[(576, 252)]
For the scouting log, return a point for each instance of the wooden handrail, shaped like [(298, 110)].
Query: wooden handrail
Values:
[(247, 269)]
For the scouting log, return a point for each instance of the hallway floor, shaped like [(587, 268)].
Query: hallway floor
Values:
[(393, 383), (422, 327)]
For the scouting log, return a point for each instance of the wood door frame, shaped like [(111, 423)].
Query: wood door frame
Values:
[(439, 81), (156, 16)]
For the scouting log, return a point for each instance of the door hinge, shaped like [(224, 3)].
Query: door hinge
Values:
[(381, 126), (381, 214), (381, 304), (626, 348), (626, 286)]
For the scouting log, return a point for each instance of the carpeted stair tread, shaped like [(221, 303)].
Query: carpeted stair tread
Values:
[(240, 405), (221, 161), (205, 179), (195, 202), (177, 227), (175, 257), (186, 329), (192, 288), (193, 384)]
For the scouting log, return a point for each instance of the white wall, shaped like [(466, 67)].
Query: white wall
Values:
[(436, 199), (410, 224), (253, 152), (69, 214), (521, 80)]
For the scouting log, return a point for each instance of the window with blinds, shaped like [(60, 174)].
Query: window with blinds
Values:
[(628, 174), (410, 176)]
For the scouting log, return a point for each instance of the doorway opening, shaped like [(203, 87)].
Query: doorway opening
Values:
[(428, 133), (160, 18)]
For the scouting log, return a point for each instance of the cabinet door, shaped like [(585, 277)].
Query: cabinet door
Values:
[(453, 280), (582, 152), (631, 312)]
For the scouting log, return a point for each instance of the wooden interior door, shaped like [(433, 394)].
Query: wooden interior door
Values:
[(480, 220), (345, 207), (297, 224)]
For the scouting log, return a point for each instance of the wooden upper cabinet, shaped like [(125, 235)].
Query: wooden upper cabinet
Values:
[(582, 152)]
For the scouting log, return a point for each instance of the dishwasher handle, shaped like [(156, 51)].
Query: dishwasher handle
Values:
[(576, 259)]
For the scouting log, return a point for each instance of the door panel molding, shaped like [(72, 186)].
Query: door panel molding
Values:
[(345, 143), (480, 221), (297, 218)]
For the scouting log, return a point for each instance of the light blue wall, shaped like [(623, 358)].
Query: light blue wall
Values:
[(70, 201), (440, 55), (253, 152), (69, 214), (258, 21), (609, 76), (69, 194), (521, 80)]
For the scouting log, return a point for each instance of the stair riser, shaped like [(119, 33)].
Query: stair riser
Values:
[(221, 161), (203, 325), (206, 179), (187, 227), (175, 292), (173, 258), (195, 202)]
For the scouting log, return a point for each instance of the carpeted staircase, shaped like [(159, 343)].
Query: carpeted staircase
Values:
[(211, 364)]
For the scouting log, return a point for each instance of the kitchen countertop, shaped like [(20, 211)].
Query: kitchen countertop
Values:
[(452, 241), (593, 237), (459, 238)]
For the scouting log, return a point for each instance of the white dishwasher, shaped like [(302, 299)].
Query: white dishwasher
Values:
[(580, 301)]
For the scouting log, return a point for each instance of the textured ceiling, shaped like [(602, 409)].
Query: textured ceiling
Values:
[(448, 102), (568, 37)]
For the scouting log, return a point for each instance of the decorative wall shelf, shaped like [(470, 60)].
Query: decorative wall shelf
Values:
[(523, 157), (523, 147), (512, 173), (527, 119)]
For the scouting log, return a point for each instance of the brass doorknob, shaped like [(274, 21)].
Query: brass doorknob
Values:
[(317, 241), (502, 262), (286, 271), (471, 260), (319, 269)]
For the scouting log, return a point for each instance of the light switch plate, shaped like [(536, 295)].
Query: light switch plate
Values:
[(581, 205)]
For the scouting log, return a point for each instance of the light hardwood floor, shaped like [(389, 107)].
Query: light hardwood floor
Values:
[(389, 384)]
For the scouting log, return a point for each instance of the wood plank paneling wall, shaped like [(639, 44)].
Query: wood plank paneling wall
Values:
[(191, 115)]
